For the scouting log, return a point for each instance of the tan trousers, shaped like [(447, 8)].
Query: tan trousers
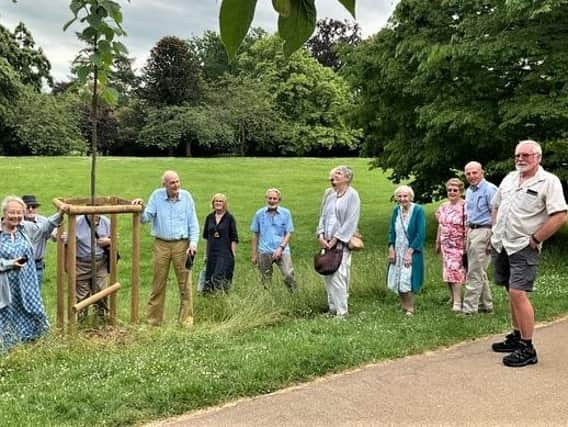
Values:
[(477, 292), (164, 253)]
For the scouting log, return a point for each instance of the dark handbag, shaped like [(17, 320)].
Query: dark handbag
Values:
[(327, 261), (464, 259)]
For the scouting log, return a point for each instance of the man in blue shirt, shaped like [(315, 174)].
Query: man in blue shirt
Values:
[(175, 229), (477, 296), (272, 228)]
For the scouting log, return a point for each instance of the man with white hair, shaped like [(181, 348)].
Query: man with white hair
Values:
[(272, 229), (175, 229), (477, 296), (528, 208)]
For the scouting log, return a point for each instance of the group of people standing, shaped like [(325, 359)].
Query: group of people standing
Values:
[(175, 229), (505, 224)]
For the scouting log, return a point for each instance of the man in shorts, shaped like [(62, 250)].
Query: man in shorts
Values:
[(528, 208)]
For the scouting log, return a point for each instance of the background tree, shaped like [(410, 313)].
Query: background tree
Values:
[(310, 99), (173, 127), (212, 55), (172, 74), (330, 37), (462, 81), (30, 63)]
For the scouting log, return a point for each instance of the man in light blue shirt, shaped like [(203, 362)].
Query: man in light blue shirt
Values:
[(477, 295), (272, 228), (175, 229)]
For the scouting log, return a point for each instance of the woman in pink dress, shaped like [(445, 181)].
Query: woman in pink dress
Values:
[(450, 239)]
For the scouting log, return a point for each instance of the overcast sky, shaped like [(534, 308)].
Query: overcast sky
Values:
[(147, 21)]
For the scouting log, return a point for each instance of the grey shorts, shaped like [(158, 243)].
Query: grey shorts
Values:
[(515, 271)]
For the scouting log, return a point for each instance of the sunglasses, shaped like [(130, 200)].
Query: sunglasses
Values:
[(452, 190), (523, 155)]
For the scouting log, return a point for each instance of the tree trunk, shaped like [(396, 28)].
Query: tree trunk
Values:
[(188, 149)]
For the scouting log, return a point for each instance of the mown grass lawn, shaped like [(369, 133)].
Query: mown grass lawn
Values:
[(249, 342)]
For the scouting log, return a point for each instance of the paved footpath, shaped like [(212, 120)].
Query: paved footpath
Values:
[(465, 385)]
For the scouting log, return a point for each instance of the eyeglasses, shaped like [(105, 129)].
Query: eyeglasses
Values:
[(452, 190), (523, 155)]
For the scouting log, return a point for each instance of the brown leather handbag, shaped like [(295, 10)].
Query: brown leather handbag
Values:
[(327, 261)]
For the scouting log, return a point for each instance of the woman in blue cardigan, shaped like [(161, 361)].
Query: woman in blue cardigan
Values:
[(406, 248)]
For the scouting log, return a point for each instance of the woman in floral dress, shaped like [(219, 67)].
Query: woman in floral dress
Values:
[(450, 240)]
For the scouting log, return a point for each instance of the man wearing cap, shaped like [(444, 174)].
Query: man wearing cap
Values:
[(272, 228), (175, 229), (477, 296), (41, 233)]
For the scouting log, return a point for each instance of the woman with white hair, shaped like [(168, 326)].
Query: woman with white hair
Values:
[(339, 218), (22, 316), (406, 248)]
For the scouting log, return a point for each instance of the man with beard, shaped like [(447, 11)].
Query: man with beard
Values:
[(272, 228), (528, 208)]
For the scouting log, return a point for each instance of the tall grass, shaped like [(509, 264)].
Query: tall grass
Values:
[(252, 340)]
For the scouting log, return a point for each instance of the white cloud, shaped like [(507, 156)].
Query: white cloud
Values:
[(147, 21)]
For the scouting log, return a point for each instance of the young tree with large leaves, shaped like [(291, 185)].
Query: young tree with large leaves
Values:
[(296, 21)]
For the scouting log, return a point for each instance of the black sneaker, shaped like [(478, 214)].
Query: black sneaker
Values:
[(522, 356), (509, 345)]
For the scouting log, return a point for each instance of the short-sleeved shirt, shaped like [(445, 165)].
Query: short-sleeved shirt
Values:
[(524, 208), (271, 228), (478, 202)]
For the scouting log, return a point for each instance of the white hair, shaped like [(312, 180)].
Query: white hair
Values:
[(537, 149), (405, 189)]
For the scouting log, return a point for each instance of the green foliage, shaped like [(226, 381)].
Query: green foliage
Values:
[(296, 21), (19, 51), (103, 23), (172, 126), (331, 37), (462, 81), (172, 74), (310, 98), (46, 125)]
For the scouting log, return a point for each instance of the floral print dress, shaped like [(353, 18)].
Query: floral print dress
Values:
[(452, 221)]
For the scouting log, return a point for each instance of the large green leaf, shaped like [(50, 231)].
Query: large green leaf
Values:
[(235, 18), (349, 5), (298, 26), (283, 7)]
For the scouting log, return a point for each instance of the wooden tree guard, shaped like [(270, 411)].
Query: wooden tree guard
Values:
[(82, 206)]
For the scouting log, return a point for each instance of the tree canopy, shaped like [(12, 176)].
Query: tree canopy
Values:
[(462, 81)]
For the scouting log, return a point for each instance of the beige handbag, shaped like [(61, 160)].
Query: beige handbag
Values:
[(356, 242)]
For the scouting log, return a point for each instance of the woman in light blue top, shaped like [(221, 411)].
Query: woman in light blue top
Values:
[(406, 248)]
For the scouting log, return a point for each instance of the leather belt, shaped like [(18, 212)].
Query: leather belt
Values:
[(474, 226)]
